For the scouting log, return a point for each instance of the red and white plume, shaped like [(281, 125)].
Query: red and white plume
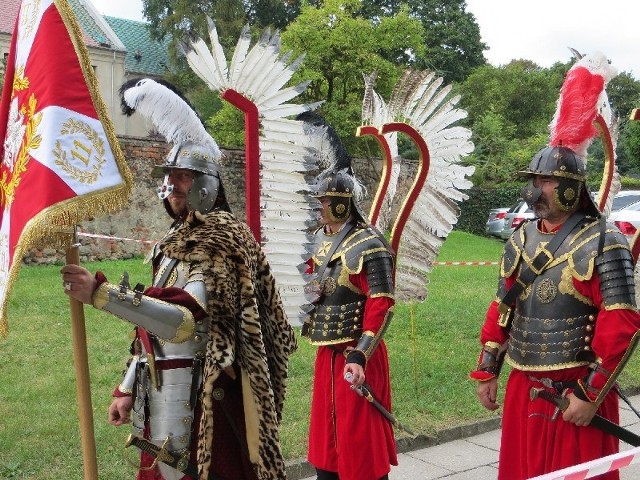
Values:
[(582, 98)]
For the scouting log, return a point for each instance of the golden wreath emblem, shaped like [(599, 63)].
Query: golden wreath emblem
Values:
[(88, 149)]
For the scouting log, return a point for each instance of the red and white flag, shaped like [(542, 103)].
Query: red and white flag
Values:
[(60, 161)]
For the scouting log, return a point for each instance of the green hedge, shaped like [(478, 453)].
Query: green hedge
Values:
[(475, 210)]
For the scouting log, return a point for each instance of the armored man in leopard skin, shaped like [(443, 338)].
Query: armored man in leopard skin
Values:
[(571, 331), (353, 284), (208, 374)]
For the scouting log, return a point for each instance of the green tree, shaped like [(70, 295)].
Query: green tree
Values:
[(340, 47), (521, 93), (451, 34)]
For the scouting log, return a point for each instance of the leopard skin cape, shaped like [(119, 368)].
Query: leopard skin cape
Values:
[(249, 327)]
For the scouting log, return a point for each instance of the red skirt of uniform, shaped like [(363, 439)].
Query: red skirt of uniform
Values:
[(347, 434), (532, 444)]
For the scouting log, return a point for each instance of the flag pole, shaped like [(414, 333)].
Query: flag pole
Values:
[(83, 388)]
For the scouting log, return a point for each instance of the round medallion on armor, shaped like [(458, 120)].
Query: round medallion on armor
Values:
[(340, 208), (546, 291), (329, 286), (569, 194)]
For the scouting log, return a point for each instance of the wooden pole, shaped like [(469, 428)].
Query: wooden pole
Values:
[(83, 387)]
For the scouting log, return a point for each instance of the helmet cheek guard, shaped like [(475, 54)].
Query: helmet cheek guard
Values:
[(568, 194), (339, 208), (203, 192)]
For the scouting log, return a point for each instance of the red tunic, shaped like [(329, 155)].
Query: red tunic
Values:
[(347, 434), (532, 444)]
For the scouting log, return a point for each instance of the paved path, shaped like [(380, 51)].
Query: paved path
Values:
[(476, 457)]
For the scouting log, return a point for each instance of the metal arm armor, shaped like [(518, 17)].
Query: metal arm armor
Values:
[(615, 269), (168, 321)]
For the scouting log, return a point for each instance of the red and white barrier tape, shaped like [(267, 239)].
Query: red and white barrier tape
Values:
[(475, 264), (590, 469), (107, 237)]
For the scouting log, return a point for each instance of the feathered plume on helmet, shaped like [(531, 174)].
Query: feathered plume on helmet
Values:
[(336, 180), (582, 98), (572, 130), (193, 148)]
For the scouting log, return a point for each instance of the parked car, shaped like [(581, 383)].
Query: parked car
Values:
[(495, 222), (625, 198), (514, 217), (627, 219)]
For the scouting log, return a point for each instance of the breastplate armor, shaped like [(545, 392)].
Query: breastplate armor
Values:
[(337, 317), (553, 324), (171, 406), (338, 314)]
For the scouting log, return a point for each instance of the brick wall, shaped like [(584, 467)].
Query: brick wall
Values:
[(146, 220)]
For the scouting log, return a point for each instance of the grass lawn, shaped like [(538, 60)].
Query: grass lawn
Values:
[(433, 345)]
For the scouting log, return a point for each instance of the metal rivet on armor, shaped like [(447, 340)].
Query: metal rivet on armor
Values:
[(342, 316), (327, 317), (218, 394), (324, 334), (183, 439), (566, 345), (325, 326), (197, 339), (187, 405), (357, 310), (339, 331), (589, 328), (186, 420), (587, 339), (340, 324), (328, 309), (343, 307), (586, 348), (543, 347), (592, 318)]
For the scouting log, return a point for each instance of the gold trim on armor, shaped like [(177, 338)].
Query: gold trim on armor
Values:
[(383, 294), (566, 286), (543, 368), (124, 389), (331, 342), (101, 296), (343, 279), (492, 344), (621, 306), (173, 278)]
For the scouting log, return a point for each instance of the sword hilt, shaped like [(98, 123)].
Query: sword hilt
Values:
[(561, 402)]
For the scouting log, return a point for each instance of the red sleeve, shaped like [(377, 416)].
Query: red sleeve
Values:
[(614, 330)]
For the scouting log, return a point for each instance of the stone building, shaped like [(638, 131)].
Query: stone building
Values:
[(119, 49)]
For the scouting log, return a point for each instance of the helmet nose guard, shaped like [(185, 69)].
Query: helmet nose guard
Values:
[(206, 180)]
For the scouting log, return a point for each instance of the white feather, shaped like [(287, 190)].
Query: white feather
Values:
[(172, 117)]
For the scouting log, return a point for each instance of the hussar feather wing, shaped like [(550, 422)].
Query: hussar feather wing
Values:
[(260, 73)]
